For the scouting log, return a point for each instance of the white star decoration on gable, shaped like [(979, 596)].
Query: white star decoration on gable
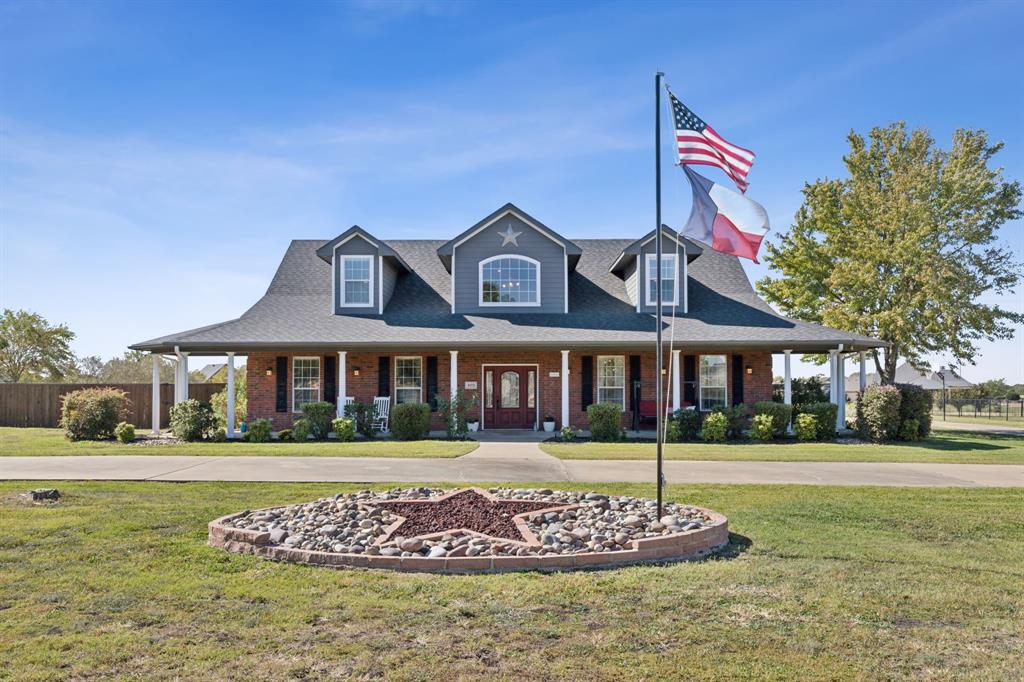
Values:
[(509, 236)]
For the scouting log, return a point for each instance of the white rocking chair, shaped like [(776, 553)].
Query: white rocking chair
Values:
[(381, 412)]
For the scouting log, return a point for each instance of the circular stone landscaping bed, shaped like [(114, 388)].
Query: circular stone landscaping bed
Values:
[(473, 530)]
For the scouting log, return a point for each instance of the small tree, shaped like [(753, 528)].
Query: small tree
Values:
[(219, 402), (454, 412), (33, 349)]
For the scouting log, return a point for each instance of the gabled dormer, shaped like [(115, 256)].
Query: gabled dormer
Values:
[(363, 272), (636, 266), (509, 262)]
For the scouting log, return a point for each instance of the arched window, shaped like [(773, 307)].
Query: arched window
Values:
[(509, 281)]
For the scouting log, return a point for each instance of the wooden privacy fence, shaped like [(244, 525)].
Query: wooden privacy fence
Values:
[(39, 404)]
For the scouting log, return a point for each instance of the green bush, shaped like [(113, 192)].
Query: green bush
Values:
[(762, 427), (410, 421), (455, 413), (688, 423), (605, 422), (301, 429), (736, 420), (319, 416), (805, 390), (220, 435), (192, 420), (716, 426), (259, 431), (910, 430), (806, 426), (219, 402), (284, 434), (362, 414), (878, 413), (780, 413), (92, 413), (344, 429), (915, 405), (567, 433), (672, 433), (124, 432), (826, 414)]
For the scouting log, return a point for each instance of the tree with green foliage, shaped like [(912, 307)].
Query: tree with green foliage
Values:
[(904, 248), (32, 349)]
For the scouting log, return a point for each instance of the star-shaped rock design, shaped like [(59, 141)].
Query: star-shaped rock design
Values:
[(468, 509), (509, 236)]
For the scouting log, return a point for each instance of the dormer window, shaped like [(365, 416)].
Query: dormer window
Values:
[(509, 281), (669, 279), (356, 281)]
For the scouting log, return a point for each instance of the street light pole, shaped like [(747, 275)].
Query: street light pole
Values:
[(942, 375)]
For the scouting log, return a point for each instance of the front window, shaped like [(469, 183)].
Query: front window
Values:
[(356, 280), (611, 380), (408, 380), (712, 381), (305, 382), (669, 280), (509, 280)]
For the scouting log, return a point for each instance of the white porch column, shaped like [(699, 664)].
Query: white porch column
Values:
[(155, 409), (787, 378), (177, 376), (184, 375), (453, 376), (677, 382), (565, 388), (832, 376), (841, 391), (231, 396), (863, 371), (342, 388)]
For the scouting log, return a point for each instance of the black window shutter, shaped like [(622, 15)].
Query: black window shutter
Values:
[(690, 379), (737, 379), (587, 382), (432, 382), (384, 375), (282, 383), (634, 377), (330, 379)]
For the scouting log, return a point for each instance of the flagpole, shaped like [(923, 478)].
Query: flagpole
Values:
[(659, 406)]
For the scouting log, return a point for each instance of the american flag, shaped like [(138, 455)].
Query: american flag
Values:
[(699, 144)]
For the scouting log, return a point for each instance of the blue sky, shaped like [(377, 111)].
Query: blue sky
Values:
[(156, 158)]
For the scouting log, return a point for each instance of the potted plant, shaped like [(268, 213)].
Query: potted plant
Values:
[(473, 425), (549, 423)]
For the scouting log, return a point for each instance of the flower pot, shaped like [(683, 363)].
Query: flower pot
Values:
[(474, 426), (549, 426)]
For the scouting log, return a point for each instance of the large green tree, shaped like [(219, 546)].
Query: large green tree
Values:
[(32, 349), (903, 248)]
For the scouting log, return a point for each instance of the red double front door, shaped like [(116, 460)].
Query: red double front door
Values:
[(510, 395)]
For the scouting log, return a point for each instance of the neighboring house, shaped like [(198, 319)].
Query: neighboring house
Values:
[(906, 374), (530, 323), (216, 373)]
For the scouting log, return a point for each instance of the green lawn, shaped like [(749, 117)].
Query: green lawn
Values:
[(47, 442), (1013, 420), (942, 446), (820, 583)]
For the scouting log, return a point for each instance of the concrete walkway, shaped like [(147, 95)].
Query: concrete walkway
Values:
[(501, 462)]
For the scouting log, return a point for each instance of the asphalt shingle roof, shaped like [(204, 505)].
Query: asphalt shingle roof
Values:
[(295, 312)]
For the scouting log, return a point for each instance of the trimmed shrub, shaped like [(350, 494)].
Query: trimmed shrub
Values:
[(826, 414), (259, 431), (284, 434), (762, 427), (780, 413), (806, 427), (736, 420), (878, 413), (220, 435), (319, 416), (910, 430), (192, 420), (92, 413), (344, 429), (605, 422), (915, 405), (410, 421), (672, 433), (301, 429), (362, 414), (124, 432), (715, 428), (688, 422)]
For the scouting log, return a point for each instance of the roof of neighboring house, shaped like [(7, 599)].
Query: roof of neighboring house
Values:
[(295, 312), (209, 370), (906, 374)]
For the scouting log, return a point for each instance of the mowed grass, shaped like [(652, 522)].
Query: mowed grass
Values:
[(819, 584), (961, 447), (38, 442)]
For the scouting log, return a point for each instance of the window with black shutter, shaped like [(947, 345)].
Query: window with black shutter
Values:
[(737, 379), (432, 382), (587, 382), (690, 379), (383, 376), (282, 383), (331, 379)]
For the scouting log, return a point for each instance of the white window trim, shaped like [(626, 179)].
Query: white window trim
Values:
[(394, 372), (597, 383), (651, 275), (319, 387), (341, 282), (480, 282), (700, 382)]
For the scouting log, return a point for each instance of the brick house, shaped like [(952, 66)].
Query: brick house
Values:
[(532, 324)]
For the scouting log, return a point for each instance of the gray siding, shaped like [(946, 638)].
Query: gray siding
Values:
[(357, 246), (667, 246), (487, 243), (387, 280), (631, 276)]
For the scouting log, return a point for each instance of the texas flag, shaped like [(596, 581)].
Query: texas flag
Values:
[(727, 220)]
